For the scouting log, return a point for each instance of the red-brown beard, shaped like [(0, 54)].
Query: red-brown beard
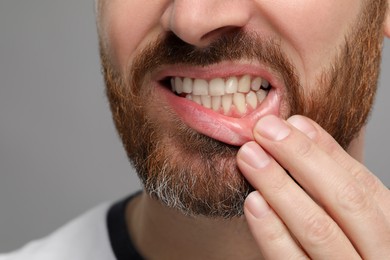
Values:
[(198, 175)]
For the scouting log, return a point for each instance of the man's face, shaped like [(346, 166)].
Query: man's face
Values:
[(187, 81)]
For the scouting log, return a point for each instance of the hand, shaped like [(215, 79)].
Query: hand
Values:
[(329, 207)]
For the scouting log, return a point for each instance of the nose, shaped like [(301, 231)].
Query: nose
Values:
[(198, 22)]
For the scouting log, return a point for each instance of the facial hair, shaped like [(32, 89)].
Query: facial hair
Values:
[(198, 175)]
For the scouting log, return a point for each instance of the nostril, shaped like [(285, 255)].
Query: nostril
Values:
[(219, 32)]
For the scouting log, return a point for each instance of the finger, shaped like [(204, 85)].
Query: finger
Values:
[(269, 231), (329, 145), (318, 234), (343, 197), (359, 171)]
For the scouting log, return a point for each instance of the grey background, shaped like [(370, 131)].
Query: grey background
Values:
[(59, 152)]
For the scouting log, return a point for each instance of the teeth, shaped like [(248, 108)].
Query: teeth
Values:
[(187, 85), (217, 87), (200, 87), (239, 102), (197, 99), (216, 103), (178, 85), (244, 84), (243, 92), (256, 84), (206, 101), (265, 84), (251, 99), (261, 95), (231, 85), (227, 101), (173, 84)]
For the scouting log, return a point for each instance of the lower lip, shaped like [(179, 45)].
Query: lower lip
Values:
[(229, 130)]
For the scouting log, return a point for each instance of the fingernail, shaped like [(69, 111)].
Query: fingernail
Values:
[(273, 128), (256, 205), (253, 155), (303, 125)]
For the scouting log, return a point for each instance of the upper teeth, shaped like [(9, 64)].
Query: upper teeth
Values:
[(221, 93)]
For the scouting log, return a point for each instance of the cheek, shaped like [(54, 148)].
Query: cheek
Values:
[(310, 29), (127, 26)]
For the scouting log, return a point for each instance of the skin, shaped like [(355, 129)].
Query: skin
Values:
[(344, 213)]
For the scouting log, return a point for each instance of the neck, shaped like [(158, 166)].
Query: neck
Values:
[(159, 232)]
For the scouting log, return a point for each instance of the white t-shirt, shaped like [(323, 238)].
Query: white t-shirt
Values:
[(83, 238)]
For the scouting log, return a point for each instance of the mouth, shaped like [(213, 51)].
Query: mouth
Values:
[(233, 97), (222, 102)]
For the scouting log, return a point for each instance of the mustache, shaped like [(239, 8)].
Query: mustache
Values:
[(237, 45)]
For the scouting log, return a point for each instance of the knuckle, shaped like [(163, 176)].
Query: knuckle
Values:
[(304, 149), (332, 147), (279, 184), (352, 197), (369, 180), (320, 229), (358, 171), (275, 234)]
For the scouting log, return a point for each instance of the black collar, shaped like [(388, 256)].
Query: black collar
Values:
[(121, 243)]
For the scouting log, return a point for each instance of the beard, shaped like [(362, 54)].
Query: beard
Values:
[(198, 175)]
